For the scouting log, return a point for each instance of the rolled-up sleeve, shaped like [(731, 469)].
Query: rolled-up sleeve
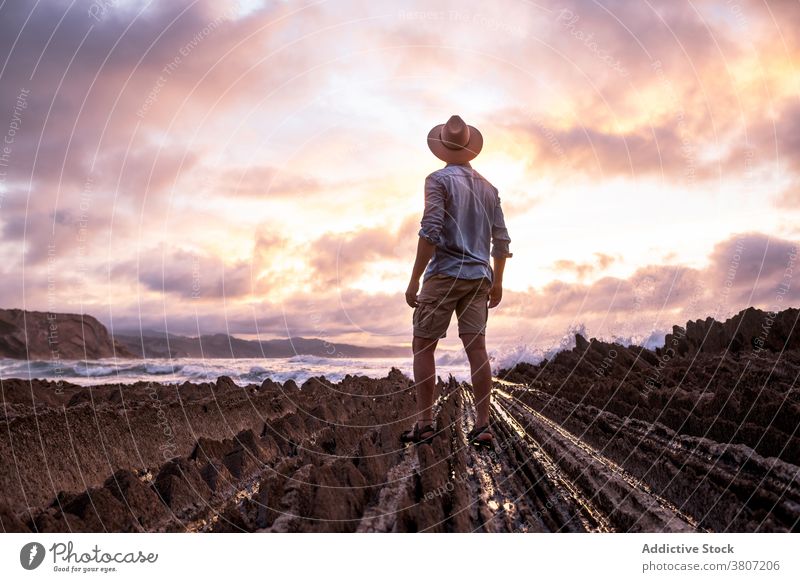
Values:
[(500, 238), (433, 217)]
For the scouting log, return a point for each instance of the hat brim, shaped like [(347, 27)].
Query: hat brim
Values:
[(455, 156)]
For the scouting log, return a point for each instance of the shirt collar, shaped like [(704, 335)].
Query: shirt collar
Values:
[(464, 164)]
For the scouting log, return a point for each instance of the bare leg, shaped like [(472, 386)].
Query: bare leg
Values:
[(475, 346), (424, 377)]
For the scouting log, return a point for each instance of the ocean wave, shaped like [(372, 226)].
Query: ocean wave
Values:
[(452, 359), (93, 369), (307, 359), (258, 374), (507, 358), (242, 371), (21, 368), (201, 372), (340, 360), (158, 369)]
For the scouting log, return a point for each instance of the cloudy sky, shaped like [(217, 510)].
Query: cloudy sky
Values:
[(257, 167)]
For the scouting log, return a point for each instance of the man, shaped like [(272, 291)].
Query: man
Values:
[(462, 220)]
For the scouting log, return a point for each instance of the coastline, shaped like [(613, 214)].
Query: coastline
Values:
[(572, 453), (242, 371)]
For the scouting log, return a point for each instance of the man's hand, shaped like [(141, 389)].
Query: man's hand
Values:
[(424, 253), (495, 294), (411, 293)]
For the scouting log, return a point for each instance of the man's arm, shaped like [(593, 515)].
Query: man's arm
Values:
[(424, 253), (500, 252), (500, 238), (431, 228), (496, 292)]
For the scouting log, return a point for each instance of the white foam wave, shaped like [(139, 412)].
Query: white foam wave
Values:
[(256, 370)]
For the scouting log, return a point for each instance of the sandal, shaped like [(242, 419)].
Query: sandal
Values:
[(476, 432), (415, 435)]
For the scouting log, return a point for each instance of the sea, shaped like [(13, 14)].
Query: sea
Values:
[(245, 371)]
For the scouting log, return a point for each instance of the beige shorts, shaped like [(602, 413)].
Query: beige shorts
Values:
[(441, 295)]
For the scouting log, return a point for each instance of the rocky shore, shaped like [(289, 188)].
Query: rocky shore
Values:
[(601, 438), (55, 336)]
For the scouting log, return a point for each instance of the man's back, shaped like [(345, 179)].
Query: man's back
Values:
[(464, 220)]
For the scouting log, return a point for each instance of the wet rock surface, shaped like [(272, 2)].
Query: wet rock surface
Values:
[(709, 422), (601, 438)]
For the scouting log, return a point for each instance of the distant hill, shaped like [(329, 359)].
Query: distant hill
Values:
[(160, 345), (70, 336), (37, 335)]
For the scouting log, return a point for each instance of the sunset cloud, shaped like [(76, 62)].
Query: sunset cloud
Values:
[(275, 157)]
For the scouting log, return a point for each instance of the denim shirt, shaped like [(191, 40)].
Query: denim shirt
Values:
[(462, 217)]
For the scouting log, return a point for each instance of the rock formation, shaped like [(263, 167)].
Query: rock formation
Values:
[(36, 335), (602, 437)]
